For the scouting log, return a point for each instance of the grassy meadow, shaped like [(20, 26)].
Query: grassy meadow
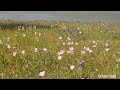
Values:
[(59, 50)]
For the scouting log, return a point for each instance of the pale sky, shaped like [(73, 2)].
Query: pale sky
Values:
[(60, 15)]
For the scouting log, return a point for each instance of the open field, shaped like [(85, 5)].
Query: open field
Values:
[(59, 50)]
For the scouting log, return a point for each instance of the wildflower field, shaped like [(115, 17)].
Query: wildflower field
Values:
[(59, 50)]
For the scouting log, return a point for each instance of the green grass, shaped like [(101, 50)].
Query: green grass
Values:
[(28, 66)]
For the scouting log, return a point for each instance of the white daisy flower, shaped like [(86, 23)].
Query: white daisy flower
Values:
[(71, 48), (42, 73), (44, 49), (60, 38), (68, 39), (8, 46), (87, 49), (35, 33), (14, 54), (106, 44), (62, 51), (118, 60), (70, 52), (93, 42), (107, 49), (82, 52), (23, 52), (96, 69), (72, 67), (59, 57), (69, 43), (24, 35), (14, 47), (18, 28), (39, 34), (36, 50), (90, 51), (82, 78), (63, 43), (76, 43), (80, 32)]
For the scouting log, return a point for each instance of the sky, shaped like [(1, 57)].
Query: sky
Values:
[(61, 15)]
